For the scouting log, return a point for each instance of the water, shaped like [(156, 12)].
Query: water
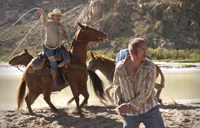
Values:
[(178, 86), (181, 86)]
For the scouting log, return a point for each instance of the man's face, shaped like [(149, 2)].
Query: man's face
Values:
[(141, 51), (56, 18)]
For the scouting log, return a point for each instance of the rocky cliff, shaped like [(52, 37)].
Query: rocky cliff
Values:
[(165, 23)]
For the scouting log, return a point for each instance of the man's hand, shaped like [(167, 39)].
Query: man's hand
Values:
[(41, 11), (122, 109), (62, 32)]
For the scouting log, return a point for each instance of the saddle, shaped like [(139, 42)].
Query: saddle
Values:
[(41, 64)]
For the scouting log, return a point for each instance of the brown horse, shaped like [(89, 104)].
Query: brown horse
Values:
[(21, 59), (107, 68), (76, 74)]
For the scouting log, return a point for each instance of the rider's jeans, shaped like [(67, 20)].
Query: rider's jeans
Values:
[(50, 53)]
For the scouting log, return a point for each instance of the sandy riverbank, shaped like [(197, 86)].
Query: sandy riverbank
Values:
[(177, 114)]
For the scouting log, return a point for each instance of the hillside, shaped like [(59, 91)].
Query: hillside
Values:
[(165, 23)]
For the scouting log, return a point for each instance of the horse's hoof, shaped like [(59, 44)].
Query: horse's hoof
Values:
[(81, 114), (31, 113)]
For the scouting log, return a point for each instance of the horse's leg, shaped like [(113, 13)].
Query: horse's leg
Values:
[(34, 97), (28, 102), (83, 90), (70, 101), (75, 92), (47, 94), (159, 89), (30, 98)]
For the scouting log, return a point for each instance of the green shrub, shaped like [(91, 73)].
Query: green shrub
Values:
[(188, 65)]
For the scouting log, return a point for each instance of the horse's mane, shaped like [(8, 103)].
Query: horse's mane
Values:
[(76, 34), (105, 58)]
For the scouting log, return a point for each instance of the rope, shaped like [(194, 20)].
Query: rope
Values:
[(23, 39), (41, 26), (25, 35), (12, 25)]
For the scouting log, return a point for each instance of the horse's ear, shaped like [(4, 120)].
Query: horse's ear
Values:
[(25, 51), (92, 55), (80, 25)]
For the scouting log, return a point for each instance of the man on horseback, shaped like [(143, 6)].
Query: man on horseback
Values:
[(54, 31)]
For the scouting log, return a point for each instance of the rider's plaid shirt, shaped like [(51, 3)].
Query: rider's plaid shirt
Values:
[(139, 91)]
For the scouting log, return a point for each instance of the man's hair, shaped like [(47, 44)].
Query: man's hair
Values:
[(133, 44)]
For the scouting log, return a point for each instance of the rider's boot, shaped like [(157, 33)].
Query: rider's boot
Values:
[(66, 58)]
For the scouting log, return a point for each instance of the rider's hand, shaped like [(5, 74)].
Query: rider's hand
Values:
[(41, 11), (122, 109)]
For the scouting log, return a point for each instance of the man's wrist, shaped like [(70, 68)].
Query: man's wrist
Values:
[(128, 105)]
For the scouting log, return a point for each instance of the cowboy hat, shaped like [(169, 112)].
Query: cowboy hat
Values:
[(56, 11)]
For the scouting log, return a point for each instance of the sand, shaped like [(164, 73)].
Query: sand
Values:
[(175, 114)]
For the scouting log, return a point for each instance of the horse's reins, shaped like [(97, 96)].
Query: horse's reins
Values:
[(19, 68)]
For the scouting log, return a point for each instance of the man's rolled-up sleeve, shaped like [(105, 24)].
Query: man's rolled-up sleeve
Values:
[(116, 84)]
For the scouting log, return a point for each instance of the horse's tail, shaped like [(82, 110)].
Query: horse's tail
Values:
[(161, 75), (97, 84), (21, 92)]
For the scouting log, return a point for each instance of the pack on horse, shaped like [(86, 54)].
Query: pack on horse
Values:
[(107, 67), (76, 74)]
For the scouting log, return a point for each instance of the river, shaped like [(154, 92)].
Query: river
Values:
[(180, 84)]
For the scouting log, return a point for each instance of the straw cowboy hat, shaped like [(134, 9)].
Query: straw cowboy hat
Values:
[(56, 11)]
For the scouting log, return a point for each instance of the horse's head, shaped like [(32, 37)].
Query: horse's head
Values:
[(21, 59), (92, 62), (87, 34)]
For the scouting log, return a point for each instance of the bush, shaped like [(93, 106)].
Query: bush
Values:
[(184, 55), (159, 54)]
